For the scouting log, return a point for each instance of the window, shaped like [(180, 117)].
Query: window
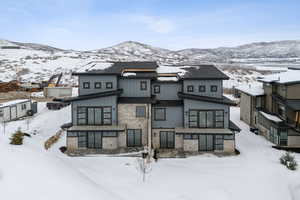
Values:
[(109, 134), (143, 85), (72, 134), (94, 140), (23, 106), (159, 114), (134, 137), (228, 137), (109, 85), (94, 116), (156, 89), (283, 138), (219, 142), (202, 88), (187, 136), (86, 85), (82, 139), (190, 88), (98, 85), (273, 135), (206, 119), (167, 139), (1, 113), (140, 111), (213, 88)]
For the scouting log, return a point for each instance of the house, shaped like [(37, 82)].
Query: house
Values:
[(275, 108), (129, 105), (13, 110)]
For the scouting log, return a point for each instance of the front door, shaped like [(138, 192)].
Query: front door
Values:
[(206, 143), (13, 112)]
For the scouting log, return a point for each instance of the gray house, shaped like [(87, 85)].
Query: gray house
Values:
[(130, 105)]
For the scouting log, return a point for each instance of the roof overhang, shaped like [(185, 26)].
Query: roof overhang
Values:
[(223, 100)]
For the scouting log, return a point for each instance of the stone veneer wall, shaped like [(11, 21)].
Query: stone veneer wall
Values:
[(127, 115)]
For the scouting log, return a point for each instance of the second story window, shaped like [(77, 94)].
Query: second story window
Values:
[(160, 114), (213, 88), (202, 88), (156, 89), (98, 85), (109, 85), (190, 88), (86, 85), (143, 85)]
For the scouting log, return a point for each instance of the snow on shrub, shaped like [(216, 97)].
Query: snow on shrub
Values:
[(289, 161), (17, 138)]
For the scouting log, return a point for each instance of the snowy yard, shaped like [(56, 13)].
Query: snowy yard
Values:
[(29, 172)]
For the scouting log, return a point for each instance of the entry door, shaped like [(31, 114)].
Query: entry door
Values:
[(206, 143), (13, 112), (94, 140)]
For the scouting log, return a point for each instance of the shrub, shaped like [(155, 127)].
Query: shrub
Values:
[(289, 161), (17, 138), (63, 149)]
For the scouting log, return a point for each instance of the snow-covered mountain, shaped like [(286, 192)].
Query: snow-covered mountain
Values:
[(36, 62)]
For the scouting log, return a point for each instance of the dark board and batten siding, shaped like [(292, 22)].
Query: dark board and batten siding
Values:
[(202, 105), (103, 79), (168, 91), (132, 87), (207, 84), (174, 117), (96, 102)]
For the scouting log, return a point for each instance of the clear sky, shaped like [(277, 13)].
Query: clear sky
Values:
[(173, 24)]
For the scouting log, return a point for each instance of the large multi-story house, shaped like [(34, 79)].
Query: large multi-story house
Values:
[(129, 105), (274, 108)]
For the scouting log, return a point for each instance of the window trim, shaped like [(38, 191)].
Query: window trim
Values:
[(134, 132), (94, 107), (214, 90), (136, 113), (158, 89), (206, 111), (86, 85), (190, 88), (202, 88), (143, 85), (98, 87), (164, 118), (109, 85)]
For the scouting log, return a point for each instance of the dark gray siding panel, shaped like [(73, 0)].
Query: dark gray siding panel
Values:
[(174, 118), (168, 91), (103, 101), (132, 88), (208, 84), (202, 105), (92, 80)]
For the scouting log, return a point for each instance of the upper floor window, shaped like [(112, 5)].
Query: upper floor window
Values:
[(160, 114), (94, 115), (190, 88), (109, 85), (98, 85), (202, 88), (213, 88), (156, 89), (206, 119), (86, 85), (140, 111), (143, 85)]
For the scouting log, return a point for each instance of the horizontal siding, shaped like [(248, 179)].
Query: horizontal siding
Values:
[(174, 118), (132, 88), (92, 79), (208, 84), (168, 91)]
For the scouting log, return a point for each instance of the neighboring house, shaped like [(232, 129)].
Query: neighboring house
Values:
[(278, 111), (16, 109), (129, 105)]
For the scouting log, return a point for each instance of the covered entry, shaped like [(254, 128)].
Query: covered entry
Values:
[(206, 142)]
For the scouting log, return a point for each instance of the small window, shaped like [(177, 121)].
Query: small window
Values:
[(187, 136), (228, 137), (86, 85), (109, 134), (156, 89), (72, 134), (98, 85), (213, 88), (143, 85), (109, 85), (202, 88), (190, 88), (23, 106), (159, 114), (140, 111)]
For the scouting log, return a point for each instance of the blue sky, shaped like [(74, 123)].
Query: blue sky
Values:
[(173, 24)]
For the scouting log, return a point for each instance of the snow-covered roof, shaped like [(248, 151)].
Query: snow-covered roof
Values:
[(289, 76), (95, 66), (252, 90), (9, 103), (129, 74), (172, 78), (273, 118)]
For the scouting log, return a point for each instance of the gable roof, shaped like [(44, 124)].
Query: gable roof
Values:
[(204, 72), (223, 100)]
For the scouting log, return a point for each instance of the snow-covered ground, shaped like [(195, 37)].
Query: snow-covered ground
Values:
[(29, 172)]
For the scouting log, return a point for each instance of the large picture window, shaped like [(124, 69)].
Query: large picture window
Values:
[(134, 137), (94, 115), (206, 119), (167, 139)]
